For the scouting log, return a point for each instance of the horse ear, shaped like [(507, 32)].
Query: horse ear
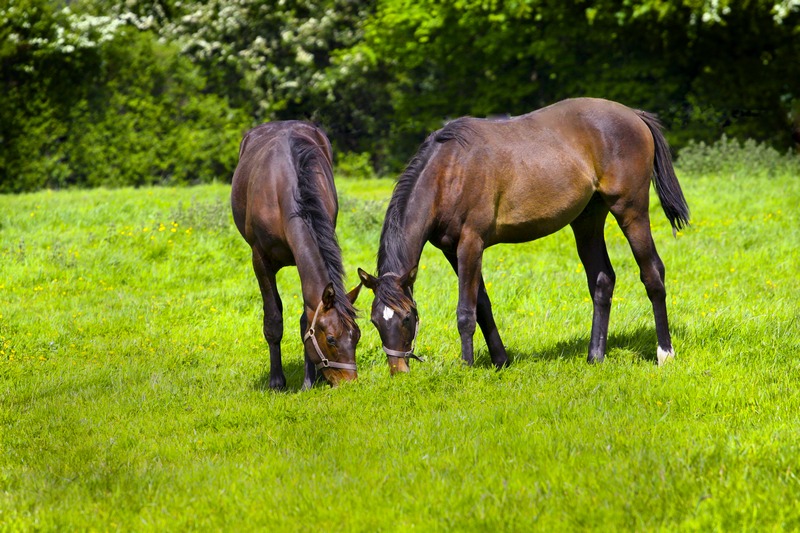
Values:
[(328, 296), (352, 295), (368, 280), (409, 279)]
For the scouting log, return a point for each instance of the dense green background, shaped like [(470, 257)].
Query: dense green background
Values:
[(133, 375), (102, 92)]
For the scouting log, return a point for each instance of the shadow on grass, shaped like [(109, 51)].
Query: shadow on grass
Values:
[(641, 342), (294, 371)]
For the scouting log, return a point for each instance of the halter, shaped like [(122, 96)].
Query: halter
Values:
[(410, 353), (324, 362)]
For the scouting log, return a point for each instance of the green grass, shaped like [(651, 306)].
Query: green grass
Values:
[(133, 378)]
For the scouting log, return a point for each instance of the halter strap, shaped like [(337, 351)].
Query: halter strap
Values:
[(410, 353), (324, 361)]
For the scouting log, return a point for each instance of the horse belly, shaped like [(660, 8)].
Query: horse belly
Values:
[(538, 208)]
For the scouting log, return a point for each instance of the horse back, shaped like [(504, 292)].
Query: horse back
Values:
[(264, 189), (525, 177)]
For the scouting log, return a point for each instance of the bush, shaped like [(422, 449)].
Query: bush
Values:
[(736, 159), (355, 166), (95, 102), (361, 217)]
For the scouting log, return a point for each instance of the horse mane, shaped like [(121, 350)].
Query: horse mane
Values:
[(459, 130), (309, 159), (392, 253)]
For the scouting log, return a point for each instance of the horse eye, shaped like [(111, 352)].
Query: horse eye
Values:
[(406, 319), (331, 340)]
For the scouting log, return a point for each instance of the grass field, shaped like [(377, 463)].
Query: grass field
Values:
[(133, 378)]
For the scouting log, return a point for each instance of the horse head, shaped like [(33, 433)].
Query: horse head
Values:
[(394, 314), (330, 342)]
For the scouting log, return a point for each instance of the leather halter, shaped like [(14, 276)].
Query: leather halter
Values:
[(410, 353), (324, 361)]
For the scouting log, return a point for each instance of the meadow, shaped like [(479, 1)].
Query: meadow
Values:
[(133, 378)]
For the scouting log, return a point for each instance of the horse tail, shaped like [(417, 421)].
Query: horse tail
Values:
[(664, 178)]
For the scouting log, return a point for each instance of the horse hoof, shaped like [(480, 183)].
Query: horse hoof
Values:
[(501, 364), (277, 384), (595, 359), (664, 356)]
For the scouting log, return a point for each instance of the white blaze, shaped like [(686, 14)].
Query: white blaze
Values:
[(388, 313)]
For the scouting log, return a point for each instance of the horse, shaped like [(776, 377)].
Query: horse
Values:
[(285, 206), (479, 182)]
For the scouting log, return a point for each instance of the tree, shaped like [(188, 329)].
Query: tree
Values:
[(706, 67), (96, 100)]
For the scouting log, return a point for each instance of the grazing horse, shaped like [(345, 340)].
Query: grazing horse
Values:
[(478, 182), (285, 206)]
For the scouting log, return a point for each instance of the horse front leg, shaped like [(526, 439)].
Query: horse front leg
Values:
[(469, 257), (485, 319), (310, 374), (273, 319)]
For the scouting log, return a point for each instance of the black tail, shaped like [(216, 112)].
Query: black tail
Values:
[(664, 178)]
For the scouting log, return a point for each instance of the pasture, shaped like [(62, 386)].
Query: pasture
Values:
[(133, 378)]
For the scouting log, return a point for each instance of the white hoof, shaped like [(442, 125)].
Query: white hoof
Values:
[(664, 356)]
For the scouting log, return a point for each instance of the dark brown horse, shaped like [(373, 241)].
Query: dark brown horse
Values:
[(476, 183), (285, 206)]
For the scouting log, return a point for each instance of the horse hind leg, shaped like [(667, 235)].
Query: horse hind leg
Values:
[(591, 244), (273, 319), (635, 225)]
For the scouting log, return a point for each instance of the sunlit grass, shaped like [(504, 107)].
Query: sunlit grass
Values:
[(133, 391)]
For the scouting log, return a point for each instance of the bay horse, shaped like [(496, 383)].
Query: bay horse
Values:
[(285, 206), (479, 182)]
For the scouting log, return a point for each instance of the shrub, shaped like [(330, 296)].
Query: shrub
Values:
[(736, 159), (355, 166), (361, 217), (92, 101)]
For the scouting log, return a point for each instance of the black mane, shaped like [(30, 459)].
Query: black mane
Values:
[(392, 254), (309, 159)]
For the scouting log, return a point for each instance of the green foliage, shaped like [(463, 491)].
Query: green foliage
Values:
[(132, 369), (141, 92), (731, 158), (94, 101), (706, 67), (364, 217), (274, 60), (355, 166)]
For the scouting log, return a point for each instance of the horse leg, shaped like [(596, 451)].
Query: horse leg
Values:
[(469, 256), (635, 224), (310, 374), (590, 240), (485, 318), (273, 318)]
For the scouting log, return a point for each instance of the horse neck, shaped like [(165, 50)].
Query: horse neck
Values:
[(312, 270), (311, 266)]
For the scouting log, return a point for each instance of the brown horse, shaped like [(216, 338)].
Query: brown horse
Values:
[(285, 206), (476, 183)]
